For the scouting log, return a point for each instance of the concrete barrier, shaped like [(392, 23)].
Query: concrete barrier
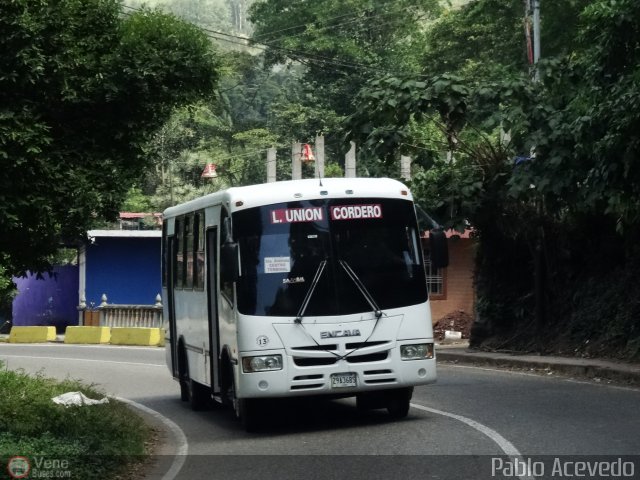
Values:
[(93, 335), (137, 336), (32, 334)]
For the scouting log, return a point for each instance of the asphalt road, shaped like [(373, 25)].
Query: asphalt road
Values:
[(462, 427)]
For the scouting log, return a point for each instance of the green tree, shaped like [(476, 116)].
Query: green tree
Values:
[(336, 47), (555, 209), (485, 39), (82, 89)]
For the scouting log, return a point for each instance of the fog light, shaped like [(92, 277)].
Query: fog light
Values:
[(263, 363), (418, 351)]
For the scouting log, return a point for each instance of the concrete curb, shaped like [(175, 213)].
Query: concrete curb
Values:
[(87, 335), (594, 369), (136, 336), (76, 335), (32, 334)]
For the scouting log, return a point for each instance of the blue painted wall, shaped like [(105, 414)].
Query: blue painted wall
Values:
[(49, 301), (126, 269)]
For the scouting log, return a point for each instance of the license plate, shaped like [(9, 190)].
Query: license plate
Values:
[(342, 380)]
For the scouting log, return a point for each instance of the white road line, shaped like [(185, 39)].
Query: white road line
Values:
[(505, 445), (84, 360), (181, 439)]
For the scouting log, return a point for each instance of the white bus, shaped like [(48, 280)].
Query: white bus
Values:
[(297, 288)]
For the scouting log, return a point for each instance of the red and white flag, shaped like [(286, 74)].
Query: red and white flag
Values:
[(307, 153)]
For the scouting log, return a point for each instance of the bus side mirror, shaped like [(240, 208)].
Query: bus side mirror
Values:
[(439, 248), (229, 271)]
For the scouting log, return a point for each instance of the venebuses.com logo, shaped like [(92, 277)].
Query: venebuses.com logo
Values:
[(18, 467)]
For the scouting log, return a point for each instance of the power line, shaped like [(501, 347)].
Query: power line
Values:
[(332, 26), (299, 54), (351, 14)]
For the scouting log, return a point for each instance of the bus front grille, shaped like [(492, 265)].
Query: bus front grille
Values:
[(317, 348), (311, 386), (308, 377), (376, 377), (369, 357), (314, 361)]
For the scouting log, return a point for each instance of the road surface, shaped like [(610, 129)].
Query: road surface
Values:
[(474, 423)]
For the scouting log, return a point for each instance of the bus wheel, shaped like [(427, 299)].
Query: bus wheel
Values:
[(183, 373), (246, 411), (196, 394), (398, 402), (249, 414)]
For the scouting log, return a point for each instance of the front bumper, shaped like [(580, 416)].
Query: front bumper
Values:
[(309, 373)]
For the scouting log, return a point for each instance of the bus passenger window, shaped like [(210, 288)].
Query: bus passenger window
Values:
[(188, 251), (198, 230), (165, 246), (179, 255), (226, 288)]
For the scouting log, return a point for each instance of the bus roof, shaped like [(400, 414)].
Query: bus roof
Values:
[(294, 190)]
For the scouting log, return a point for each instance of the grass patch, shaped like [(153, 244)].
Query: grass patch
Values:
[(96, 441)]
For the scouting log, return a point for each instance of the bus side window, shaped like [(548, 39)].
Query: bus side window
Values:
[(226, 288), (198, 242), (178, 254), (188, 251), (164, 259)]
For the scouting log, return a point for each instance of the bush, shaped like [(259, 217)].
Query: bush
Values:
[(94, 441)]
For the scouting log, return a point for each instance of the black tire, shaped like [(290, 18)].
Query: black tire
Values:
[(245, 410), (198, 395), (398, 402), (183, 373), (249, 414)]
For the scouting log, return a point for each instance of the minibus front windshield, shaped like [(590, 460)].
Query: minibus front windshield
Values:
[(283, 247)]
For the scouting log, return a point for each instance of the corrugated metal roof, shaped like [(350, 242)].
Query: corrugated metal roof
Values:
[(125, 233)]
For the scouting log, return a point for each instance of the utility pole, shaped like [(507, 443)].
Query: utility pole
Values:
[(536, 39), (532, 15), (296, 161), (539, 263), (319, 156), (271, 165), (405, 167), (350, 162)]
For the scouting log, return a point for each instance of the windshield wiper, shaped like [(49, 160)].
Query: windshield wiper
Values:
[(307, 297), (365, 293)]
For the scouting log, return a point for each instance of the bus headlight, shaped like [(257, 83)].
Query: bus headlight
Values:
[(418, 351), (263, 363)]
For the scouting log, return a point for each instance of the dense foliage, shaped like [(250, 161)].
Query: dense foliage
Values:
[(555, 208), (82, 88)]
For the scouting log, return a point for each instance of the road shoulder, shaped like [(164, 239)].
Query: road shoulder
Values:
[(597, 370)]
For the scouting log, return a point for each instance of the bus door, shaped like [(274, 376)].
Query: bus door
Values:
[(212, 303), (170, 266)]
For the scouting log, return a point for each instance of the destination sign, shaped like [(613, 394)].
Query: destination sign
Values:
[(355, 212), (296, 215)]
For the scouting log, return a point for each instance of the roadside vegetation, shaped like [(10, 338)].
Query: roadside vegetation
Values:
[(94, 441)]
